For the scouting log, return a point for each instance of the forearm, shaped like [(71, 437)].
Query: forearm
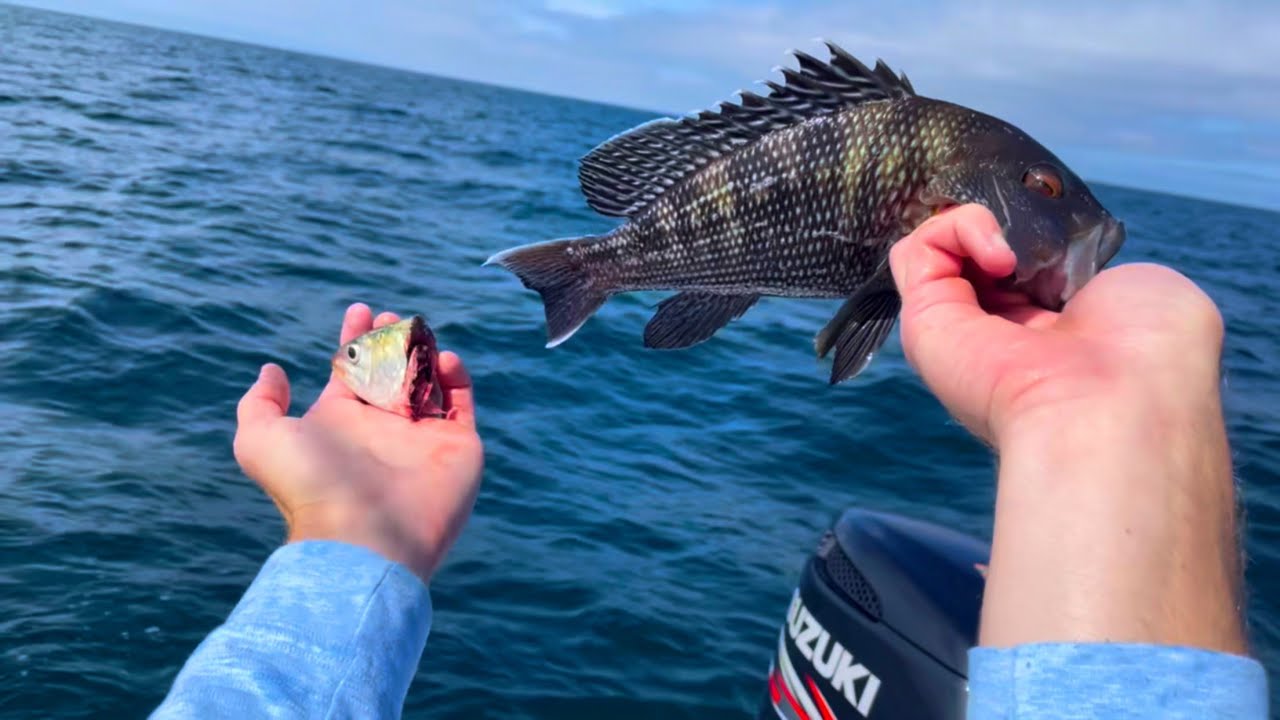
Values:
[(326, 629), (1131, 539)]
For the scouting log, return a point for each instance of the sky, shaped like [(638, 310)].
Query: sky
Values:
[(1181, 96)]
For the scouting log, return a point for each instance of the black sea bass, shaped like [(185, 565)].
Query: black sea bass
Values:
[(801, 193)]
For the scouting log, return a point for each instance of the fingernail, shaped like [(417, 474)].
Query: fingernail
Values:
[(998, 242), (908, 273), (900, 266)]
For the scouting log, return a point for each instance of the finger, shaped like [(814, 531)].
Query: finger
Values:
[(357, 321), (385, 318), (266, 401), (1143, 295), (939, 247), (947, 336), (456, 383), (928, 265)]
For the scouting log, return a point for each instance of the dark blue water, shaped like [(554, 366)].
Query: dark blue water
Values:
[(175, 211)]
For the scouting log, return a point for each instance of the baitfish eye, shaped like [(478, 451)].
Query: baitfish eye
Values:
[(351, 352), (1043, 179)]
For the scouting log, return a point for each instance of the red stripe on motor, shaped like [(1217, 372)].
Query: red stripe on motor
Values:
[(823, 707), (792, 699)]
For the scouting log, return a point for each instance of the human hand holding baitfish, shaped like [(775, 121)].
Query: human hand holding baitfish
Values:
[(387, 457), (394, 367)]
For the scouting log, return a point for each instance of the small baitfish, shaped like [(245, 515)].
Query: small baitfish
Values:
[(394, 367), (801, 193)]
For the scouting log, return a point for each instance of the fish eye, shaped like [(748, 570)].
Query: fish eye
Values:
[(351, 352), (1043, 179)]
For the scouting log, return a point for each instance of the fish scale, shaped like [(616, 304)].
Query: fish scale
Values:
[(801, 236), (802, 193)]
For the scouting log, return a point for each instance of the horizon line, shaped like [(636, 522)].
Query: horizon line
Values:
[(1122, 185)]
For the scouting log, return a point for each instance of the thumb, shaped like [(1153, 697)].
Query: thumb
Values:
[(266, 401)]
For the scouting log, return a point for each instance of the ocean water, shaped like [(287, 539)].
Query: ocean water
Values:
[(175, 211)]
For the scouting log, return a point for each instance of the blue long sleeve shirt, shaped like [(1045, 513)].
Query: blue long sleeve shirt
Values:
[(326, 630), (329, 630)]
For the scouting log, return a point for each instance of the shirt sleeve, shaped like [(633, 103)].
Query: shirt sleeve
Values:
[(325, 630), (1113, 680)]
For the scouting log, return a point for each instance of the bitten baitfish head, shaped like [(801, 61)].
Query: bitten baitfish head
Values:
[(394, 368)]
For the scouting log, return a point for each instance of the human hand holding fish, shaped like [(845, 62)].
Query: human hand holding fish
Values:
[(357, 472), (1115, 498), (802, 192), (1000, 362)]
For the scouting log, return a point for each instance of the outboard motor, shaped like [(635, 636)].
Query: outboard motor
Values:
[(880, 624)]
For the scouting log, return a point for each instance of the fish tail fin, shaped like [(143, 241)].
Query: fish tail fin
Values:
[(570, 295)]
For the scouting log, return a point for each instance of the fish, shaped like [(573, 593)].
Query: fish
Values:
[(395, 368), (801, 192)]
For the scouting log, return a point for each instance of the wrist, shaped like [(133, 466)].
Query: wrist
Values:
[(1126, 515), (1151, 409), (340, 523)]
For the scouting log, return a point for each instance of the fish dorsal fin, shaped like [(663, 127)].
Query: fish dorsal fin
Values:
[(625, 174)]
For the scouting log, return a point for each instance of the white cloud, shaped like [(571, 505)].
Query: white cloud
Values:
[(605, 9), (597, 9)]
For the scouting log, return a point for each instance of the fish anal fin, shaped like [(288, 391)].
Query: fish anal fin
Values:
[(690, 317)]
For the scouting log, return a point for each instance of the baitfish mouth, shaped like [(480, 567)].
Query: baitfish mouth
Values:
[(335, 363), (1057, 282)]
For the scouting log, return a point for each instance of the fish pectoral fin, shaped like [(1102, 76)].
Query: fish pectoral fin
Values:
[(690, 317), (860, 341), (881, 281), (859, 328)]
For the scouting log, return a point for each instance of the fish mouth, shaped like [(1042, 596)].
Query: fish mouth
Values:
[(339, 370), (1113, 236), (1056, 282)]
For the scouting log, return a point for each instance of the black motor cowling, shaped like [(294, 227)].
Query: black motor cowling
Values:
[(880, 624)]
